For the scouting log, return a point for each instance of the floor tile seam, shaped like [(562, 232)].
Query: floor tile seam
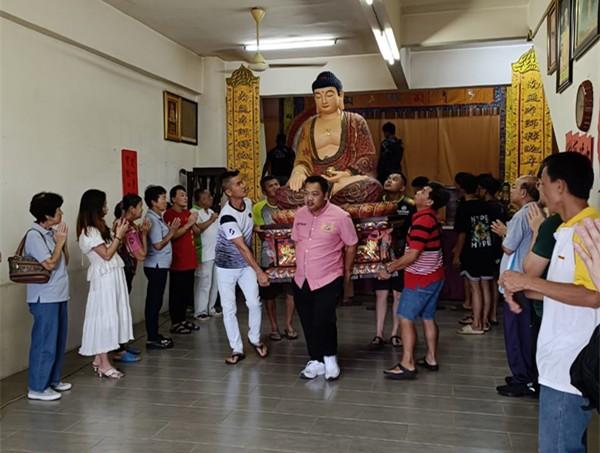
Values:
[(402, 406), (437, 397), (148, 388)]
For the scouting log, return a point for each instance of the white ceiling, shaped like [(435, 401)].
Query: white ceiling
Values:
[(219, 27)]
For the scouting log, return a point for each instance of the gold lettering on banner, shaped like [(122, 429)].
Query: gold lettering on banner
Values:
[(243, 127), (528, 123)]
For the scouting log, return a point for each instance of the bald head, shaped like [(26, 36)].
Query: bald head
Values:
[(524, 190)]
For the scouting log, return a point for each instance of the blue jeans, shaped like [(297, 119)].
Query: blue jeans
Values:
[(562, 422), (48, 343)]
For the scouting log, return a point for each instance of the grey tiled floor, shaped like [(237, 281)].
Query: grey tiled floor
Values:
[(188, 400)]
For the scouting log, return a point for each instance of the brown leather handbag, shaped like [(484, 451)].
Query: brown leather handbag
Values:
[(26, 269)]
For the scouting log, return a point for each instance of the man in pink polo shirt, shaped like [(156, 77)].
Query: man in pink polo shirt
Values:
[(325, 248)]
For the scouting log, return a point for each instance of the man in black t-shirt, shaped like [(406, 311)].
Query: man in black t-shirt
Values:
[(280, 161), (390, 153), (474, 254)]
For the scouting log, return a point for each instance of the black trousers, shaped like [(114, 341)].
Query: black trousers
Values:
[(181, 294), (316, 310), (157, 281)]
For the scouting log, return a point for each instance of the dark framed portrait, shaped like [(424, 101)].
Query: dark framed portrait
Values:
[(172, 115), (586, 25), (551, 44), (564, 73)]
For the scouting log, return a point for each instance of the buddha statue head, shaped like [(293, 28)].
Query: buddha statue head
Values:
[(328, 93)]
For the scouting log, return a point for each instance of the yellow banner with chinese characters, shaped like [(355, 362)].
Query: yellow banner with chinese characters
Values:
[(528, 123), (243, 127)]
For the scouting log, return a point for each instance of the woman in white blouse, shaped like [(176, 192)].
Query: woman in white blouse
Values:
[(107, 320)]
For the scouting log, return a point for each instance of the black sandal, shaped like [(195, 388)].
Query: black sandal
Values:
[(423, 362), (261, 349), (377, 342), (235, 358), (396, 341), (180, 328), (401, 374), (191, 325)]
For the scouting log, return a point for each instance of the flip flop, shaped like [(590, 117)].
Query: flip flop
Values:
[(423, 362), (377, 343), (261, 349), (290, 334), (466, 320), (396, 341), (402, 374), (235, 358), (275, 336)]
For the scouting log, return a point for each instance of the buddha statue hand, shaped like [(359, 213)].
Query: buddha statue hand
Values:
[(333, 176), (297, 178)]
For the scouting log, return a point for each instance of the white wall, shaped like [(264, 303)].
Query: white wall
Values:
[(212, 114), (473, 66), (437, 68), (65, 115), (562, 106)]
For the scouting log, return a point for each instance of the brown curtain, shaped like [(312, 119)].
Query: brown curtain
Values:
[(441, 147)]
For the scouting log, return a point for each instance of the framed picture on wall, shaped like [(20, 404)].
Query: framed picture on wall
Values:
[(586, 25), (189, 121), (551, 25), (172, 114), (564, 74)]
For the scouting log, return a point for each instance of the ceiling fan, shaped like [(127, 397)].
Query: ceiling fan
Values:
[(258, 63)]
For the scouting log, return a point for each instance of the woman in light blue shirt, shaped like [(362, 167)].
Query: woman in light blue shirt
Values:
[(46, 242)]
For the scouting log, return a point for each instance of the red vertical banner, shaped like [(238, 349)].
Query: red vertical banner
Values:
[(129, 173)]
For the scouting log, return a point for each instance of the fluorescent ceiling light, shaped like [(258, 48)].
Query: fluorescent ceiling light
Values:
[(290, 43), (384, 48), (369, 2), (391, 40)]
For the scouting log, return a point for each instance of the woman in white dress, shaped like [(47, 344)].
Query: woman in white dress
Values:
[(107, 320)]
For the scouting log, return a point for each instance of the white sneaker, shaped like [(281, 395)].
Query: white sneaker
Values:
[(46, 395), (312, 369), (62, 386), (332, 369)]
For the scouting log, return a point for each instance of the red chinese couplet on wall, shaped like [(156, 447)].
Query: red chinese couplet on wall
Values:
[(129, 171), (581, 143)]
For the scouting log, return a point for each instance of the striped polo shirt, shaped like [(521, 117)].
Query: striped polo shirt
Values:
[(425, 235)]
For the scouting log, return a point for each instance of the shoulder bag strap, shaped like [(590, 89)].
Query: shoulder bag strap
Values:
[(21, 246)]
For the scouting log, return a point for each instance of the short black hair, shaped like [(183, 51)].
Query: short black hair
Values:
[(265, 180), (488, 183), (44, 204), (467, 182), (402, 175), (226, 178), (152, 193), (175, 189), (389, 127), (439, 195), (574, 169), (281, 138), (419, 181), (319, 180), (197, 194)]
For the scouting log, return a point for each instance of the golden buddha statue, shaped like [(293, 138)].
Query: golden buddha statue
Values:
[(337, 145)]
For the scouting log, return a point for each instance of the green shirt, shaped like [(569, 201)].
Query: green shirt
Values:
[(544, 246)]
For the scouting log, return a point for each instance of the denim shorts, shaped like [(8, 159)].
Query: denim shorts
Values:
[(420, 302)]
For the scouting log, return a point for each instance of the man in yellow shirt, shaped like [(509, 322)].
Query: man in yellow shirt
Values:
[(571, 305)]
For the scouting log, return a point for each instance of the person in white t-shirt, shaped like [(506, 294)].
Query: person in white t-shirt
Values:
[(236, 265), (205, 288), (571, 305)]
